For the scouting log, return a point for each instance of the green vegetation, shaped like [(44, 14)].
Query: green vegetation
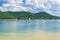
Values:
[(26, 15), (44, 15), (6, 16)]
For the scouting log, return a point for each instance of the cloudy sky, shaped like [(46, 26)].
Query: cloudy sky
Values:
[(50, 6)]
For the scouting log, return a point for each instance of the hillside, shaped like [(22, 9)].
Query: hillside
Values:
[(26, 15), (6, 16), (45, 15)]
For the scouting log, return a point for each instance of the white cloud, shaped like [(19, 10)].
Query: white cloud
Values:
[(51, 6)]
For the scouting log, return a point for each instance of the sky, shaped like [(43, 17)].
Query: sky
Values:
[(50, 6)]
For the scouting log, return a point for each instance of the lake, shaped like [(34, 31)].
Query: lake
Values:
[(29, 29)]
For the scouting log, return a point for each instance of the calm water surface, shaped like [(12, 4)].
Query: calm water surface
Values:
[(29, 25)]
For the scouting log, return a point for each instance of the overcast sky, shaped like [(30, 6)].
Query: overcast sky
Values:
[(50, 6)]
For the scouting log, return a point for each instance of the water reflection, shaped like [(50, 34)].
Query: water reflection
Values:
[(8, 26), (29, 25), (51, 25)]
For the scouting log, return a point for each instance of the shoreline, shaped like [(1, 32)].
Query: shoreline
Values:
[(37, 35), (29, 19)]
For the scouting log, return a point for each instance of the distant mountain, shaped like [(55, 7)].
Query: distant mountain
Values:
[(26, 15), (6, 16), (45, 15)]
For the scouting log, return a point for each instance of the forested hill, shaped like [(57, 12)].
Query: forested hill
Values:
[(26, 15), (6, 16)]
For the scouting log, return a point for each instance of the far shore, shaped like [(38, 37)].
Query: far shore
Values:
[(29, 19)]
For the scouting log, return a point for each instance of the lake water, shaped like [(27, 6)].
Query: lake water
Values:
[(29, 25), (29, 29)]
